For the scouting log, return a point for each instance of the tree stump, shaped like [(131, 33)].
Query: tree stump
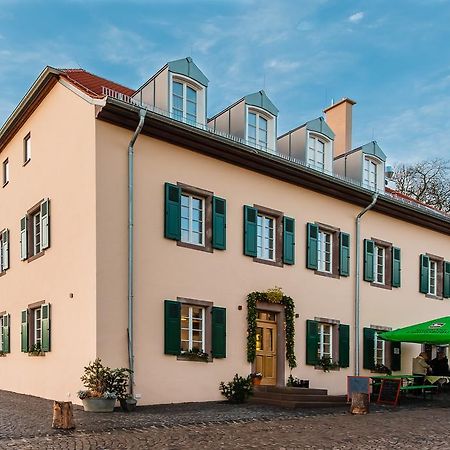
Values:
[(360, 403), (63, 416)]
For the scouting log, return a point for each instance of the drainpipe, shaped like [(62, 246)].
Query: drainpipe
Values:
[(142, 114), (358, 281)]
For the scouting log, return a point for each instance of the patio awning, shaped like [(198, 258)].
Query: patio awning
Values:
[(435, 332)]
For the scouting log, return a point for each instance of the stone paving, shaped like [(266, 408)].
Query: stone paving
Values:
[(25, 424)]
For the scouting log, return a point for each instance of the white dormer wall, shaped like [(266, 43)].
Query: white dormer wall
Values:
[(367, 161), (156, 91), (314, 136), (271, 126), (231, 120)]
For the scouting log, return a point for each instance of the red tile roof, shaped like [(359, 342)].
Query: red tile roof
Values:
[(411, 199), (92, 84)]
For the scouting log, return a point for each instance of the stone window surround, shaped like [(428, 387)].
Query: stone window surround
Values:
[(387, 346), (334, 231), (387, 264), (439, 277), (335, 337)]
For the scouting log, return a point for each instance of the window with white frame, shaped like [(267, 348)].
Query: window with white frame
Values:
[(5, 172), (370, 173), (192, 329), (184, 102), (257, 129), (432, 277), (36, 233), (380, 264), (27, 148), (36, 316), (325, 344), (192, 219), (380, 351), (316, 152), (4, 250), (325, 251), (2, 319), (265, 237)]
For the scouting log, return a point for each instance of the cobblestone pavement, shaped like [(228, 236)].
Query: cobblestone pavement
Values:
[(25, 424)]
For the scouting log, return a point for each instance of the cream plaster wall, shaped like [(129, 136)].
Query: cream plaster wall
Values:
[(167, 271), (62, 168)]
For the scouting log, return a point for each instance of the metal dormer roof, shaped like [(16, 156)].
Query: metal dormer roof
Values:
[(261, 100), (188, 68)]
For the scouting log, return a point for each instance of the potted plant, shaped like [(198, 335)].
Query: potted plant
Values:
[(327, 364), (381, 368), (238, 390), (256, 378), (296, 382), (119, 385), (196, 355)]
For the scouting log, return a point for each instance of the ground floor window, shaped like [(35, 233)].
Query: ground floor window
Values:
[(325, 345), (192, 328), (35, 328), (380, 351)]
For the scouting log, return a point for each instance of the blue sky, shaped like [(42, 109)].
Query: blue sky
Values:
[(392, 57)]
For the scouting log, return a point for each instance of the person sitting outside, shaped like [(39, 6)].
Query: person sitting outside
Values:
[(421, 368), (439, 365)]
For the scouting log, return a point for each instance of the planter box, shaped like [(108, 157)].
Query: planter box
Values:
[(99, 404)]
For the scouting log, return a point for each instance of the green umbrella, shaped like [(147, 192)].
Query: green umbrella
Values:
[(435, 332)]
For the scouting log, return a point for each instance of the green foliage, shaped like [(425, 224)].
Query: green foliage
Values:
[(294, 382), (327, 364), (238, 390), (381, 368), (289, 310)]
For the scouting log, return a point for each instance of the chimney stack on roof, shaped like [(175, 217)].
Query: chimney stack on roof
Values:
[(339, 118)]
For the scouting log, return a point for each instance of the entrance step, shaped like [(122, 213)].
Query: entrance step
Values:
[(296, 397)]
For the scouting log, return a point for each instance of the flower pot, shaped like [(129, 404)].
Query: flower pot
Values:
[(256, 381), (128, 404), (99, 404), (304, 383)]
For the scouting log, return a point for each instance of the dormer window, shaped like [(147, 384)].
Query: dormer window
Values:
[(257, 129), (370, 173), (316, 152), (184, 102)]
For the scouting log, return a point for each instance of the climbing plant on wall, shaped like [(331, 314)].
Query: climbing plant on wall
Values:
[(274, 295)]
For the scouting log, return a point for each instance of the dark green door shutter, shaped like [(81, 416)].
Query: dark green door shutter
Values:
[(396, 267), (45, 323), (250, 225), (368, 348), (446, 290), (396, 356), (24, 331), (312, 342), (219, 332), (369, 251), (5, 333), (172, 327), (344, 345), (312, 232), (219, 223), (172, 218), (344, 254), (288, 240), (424, 269)]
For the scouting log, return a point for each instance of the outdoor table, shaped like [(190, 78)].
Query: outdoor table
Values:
[(432, 379)]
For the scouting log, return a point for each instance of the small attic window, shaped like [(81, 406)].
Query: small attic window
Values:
[(370, 173), (257, 128), (316, 152), (184, 101)]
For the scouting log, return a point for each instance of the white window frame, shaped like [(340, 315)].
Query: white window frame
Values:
[(370, 178), (263, 251), (190, 219), (379, 249), (313, 153), (186, 84), (36, 225), (1, 331), (379, 342), (27, 148), (258, 118), (321, 352), (5, 171), (432, 277), (37, 325), (190, 327), (324, 257)]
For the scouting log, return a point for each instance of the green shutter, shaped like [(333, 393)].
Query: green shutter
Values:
[(312, 342), (288, 240), (344, 254), (219, 332), (396, 356), (424, 270), (312, 232), (396, 267), (219, 223), (5, 333), (45, 324), (172, 327), (24, 331), (250, 225), (369, 251), (172, 218), (446, 290), (344, 345), (368, 348), (23, 239)]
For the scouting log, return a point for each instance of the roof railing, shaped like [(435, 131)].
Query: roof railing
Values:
[(269, 151)]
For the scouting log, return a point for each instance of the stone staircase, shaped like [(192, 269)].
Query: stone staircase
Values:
[(293, 397)]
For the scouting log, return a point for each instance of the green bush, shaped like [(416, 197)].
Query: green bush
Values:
[(238, 390)]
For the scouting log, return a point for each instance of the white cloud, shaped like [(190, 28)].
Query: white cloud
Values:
[(357, 17)]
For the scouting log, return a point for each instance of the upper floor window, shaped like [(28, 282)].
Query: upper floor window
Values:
[(380, 264), (265, 237), (5, 172), (184, 102), (325, 251), (370, 173), (316, 152), (27, 148), (192, 219), (257, 129), (4, 250), (434, 276), (35, 230)]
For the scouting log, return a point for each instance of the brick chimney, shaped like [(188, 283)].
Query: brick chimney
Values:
[(339, 118)]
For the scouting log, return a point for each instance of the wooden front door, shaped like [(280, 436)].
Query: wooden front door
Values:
[(266, 347)]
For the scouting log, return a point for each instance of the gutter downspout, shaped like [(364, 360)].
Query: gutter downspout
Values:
[(142, 114), (358, 281)]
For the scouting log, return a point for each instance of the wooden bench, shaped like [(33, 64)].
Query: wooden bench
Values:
[(428, 388)]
